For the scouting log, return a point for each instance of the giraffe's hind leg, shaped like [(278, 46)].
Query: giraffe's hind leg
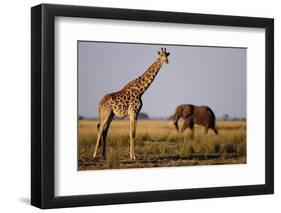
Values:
[(104, 135), (103, 123)]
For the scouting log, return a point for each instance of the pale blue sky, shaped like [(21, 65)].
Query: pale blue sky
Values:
[(213, 76)]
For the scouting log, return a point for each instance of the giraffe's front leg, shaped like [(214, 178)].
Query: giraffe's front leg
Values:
[(133, 125)]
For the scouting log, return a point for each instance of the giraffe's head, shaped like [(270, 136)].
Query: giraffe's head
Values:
[(164, 55)]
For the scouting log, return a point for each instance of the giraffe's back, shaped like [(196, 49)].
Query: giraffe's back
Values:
[(114, 102), (122, 103)]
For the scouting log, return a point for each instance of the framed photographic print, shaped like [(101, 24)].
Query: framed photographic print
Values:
[(139, 106)]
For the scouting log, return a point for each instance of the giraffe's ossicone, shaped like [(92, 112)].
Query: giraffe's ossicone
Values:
[(127, 102)]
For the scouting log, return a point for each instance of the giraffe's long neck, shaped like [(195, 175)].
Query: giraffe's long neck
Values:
[(142, 83)]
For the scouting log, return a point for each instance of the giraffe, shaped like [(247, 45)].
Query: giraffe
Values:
[(127, 102)]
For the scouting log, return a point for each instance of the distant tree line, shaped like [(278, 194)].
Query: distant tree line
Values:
[(145, 116), (226, 117)]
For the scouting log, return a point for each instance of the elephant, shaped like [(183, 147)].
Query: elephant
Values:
[(200, 115)]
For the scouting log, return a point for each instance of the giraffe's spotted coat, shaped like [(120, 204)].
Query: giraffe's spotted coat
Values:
[(127, 102)]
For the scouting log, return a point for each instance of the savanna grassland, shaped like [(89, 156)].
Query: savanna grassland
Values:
[(159, 145)]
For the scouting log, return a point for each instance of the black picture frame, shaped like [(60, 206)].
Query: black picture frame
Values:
[(43, 105)]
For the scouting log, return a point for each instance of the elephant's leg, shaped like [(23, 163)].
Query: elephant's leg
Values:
[(104, 135), (191, 127), (206, 130), (213, 127), (186, 124), (176, 119), (216, 131)]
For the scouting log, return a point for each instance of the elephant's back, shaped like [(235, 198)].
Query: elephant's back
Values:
[(204, 113)]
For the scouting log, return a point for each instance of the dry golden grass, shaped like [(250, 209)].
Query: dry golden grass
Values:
[(158, 144)]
